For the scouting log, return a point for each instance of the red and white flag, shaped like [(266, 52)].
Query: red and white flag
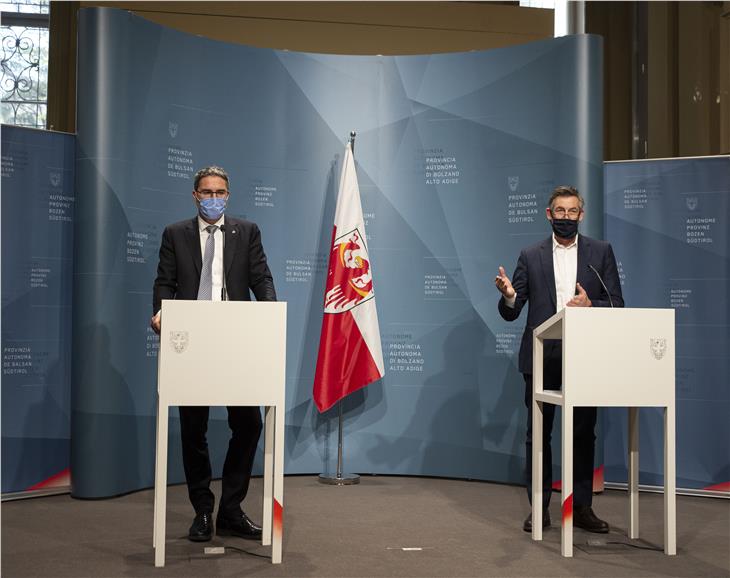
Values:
[(350, 356)]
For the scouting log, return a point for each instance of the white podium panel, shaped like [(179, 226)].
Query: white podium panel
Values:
[(619, 357), (612, 357), (242, 339), (245, 342)]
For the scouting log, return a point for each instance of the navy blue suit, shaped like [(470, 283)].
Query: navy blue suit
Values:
[(534, 283)]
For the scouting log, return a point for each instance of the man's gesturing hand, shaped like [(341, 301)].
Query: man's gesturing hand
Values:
[(581, 299), (504, 284)]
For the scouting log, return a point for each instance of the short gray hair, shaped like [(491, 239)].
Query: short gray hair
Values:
[(210, 172), (565, 191)]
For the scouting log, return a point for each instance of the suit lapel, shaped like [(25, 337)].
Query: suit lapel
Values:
[(546, 260), (232, 234), (192, 235), (584, 274)]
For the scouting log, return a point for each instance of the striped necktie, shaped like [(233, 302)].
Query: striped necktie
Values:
[(205, 290)]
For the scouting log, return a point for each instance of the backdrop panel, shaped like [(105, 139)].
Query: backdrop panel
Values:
[(456, 156), (668, 223), (37, 240)]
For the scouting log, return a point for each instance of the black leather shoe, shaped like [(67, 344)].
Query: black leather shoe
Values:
[(202, 528), (241, 526), (584, 518), (527, 526)]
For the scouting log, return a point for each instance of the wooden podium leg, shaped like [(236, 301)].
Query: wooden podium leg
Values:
[(566, 538), (633, 473), (670, 483), (269, 419), (537, 457), (160, 484), (278, 529)]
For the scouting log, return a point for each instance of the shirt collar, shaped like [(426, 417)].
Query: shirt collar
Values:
[(557, 245), (202, 225)]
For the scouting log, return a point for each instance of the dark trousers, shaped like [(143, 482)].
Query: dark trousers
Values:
[(245, 424), (584, 442)]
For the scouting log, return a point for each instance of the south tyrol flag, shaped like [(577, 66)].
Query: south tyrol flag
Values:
[(350, 356)]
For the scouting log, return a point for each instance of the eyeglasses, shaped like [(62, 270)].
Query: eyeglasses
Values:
[(560, 213), (208, 194)]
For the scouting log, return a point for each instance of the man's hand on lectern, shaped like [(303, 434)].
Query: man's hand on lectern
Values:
[(156, 322)]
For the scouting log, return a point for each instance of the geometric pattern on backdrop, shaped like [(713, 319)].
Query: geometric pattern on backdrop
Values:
[(456, 155)]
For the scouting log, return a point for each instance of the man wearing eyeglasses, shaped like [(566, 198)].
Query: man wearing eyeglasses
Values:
[(194, 255), (564, 270)]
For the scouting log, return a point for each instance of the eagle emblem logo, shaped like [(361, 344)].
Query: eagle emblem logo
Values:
[(658, 347), (179, 340), (349, 279)]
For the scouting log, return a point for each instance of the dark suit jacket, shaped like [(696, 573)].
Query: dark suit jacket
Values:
[(244, 263), (534, 282)]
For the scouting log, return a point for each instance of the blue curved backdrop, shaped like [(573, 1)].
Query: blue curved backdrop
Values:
[(456, 156)]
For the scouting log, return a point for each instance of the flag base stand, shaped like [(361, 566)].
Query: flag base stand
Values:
[(339, 480)]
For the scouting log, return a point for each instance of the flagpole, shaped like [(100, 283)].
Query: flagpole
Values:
[(341, 479)]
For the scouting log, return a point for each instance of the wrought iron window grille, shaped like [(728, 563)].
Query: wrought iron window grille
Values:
[(23, 83)]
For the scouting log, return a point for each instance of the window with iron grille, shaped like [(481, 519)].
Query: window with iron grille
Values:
[(24, 82)]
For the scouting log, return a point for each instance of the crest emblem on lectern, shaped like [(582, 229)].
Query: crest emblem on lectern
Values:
[(172, 128), (658, 347), (54, 178), (513, 183), (691, 203), (179, 340)]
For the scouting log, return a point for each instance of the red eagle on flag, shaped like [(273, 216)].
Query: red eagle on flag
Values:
[(350, 355), (349, 282)]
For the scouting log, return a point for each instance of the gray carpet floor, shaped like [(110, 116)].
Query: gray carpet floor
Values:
[(386, 526)]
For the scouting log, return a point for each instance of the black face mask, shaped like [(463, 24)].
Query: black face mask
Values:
[(565, 228)]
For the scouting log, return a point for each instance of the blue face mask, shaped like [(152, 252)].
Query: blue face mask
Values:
[(211, 209)]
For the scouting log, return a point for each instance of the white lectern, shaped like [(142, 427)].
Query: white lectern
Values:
[(248, 341), (611, 358)]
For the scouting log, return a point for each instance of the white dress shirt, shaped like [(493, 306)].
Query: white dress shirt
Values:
[(565, 268), (217, 272)]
